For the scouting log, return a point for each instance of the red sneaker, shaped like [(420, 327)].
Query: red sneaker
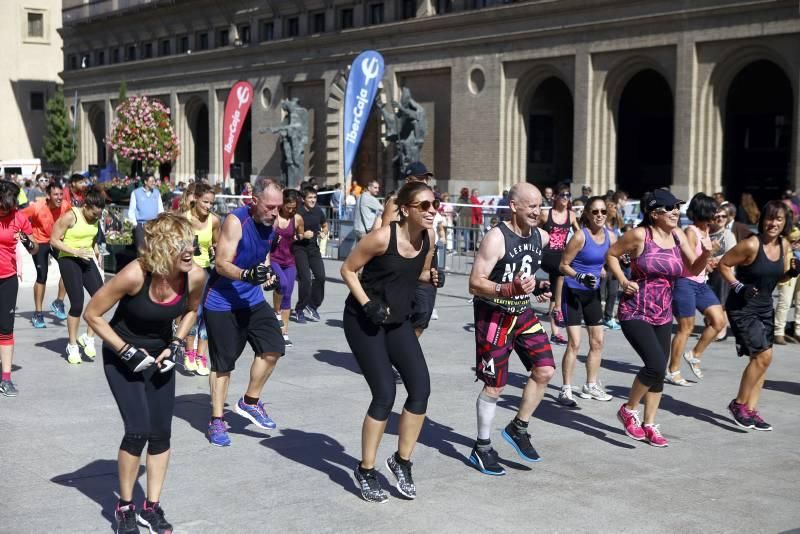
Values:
[(654, 437), (630, 421)]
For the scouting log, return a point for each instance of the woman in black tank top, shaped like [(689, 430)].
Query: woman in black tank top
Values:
[(139, 352), (761, 262), (380, 334)]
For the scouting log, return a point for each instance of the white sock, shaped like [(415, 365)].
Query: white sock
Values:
[(486, 407)]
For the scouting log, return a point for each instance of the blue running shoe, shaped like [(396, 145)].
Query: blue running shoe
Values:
[(521, 441), (312, 311), (486, 461), (218, 433), (256, 414), (300, 317), (57, 307), (38, 320)]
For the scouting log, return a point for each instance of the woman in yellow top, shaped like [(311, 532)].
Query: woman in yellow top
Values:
[(75, 237), (205, 226)]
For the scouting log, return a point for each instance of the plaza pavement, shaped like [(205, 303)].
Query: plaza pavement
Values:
[(59, 439)]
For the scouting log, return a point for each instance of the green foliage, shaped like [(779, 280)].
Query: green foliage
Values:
[(59, 141)]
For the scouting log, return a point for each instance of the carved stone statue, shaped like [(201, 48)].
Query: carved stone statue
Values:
[(406, 126), (293, 133)]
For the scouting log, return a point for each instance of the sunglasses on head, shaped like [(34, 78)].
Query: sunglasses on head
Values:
[(599, 212), (425, 205)]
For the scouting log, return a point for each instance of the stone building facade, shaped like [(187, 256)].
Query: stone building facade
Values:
[(701, 96)]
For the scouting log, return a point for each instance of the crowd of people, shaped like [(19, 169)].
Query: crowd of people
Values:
[(196, 297)]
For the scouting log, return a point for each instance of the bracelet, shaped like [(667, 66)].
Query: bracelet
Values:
[(734, 284), (178, 341)]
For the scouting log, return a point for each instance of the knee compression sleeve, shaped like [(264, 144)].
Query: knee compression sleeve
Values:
[(133, 444), (157, 444)]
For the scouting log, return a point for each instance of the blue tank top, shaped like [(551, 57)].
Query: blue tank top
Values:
[(590, 259), (224, 294)]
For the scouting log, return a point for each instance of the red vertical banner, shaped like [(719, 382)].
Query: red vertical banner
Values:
[(236, 107)]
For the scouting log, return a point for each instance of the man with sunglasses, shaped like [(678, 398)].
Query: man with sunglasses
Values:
[(236, 312)]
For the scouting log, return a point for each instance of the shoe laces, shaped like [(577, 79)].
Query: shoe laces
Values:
[(490, 455), (654, 430), (755, 416), (633, 414), (405, 471), (217, 426)]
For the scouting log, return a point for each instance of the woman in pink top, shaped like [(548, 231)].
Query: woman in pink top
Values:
[(692, 293), (661, 252)]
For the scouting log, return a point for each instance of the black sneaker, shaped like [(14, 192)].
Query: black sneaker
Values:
[(126, 519), (741, 415), (521, 441), (153, 519), (370, 486), (758, 421), (402, 472), (486, 461)]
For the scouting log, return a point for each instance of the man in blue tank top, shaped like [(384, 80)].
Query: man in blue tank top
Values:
[(236, 311)]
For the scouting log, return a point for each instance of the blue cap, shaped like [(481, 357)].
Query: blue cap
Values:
[(417, 169)]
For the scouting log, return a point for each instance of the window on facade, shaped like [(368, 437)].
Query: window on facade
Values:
[(72, 62), (541, 139), (201, 43), (35, 24), (100, 57), (346, 18), (318, 23), (244, 34), (147, 51), (376, 13), (115, 55), (37, 101), (408, 9), (183, 44), (130, 53), (223, 37), (267, 31), (444, 6), (165, 48), (292, 27)]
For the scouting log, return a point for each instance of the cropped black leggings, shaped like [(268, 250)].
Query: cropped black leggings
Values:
[(78, 274), (377, 349), (652, 343), (145, 400)]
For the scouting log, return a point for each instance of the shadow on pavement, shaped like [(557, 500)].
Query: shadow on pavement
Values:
[(98, 481), (335, 323), (793, 388), (319, 452), (195, 409), (58, 345), (345, 360)]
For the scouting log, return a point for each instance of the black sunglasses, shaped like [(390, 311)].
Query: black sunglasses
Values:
[(666, 209), (599, 212), (425, 205), (565, 195)]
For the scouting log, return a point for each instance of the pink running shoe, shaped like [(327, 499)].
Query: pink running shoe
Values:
[(654, 437), (630, 421)]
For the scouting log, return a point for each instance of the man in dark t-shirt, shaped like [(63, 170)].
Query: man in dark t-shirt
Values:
[(307, 256)]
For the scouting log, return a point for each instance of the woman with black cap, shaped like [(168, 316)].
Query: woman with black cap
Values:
[(660, 253)]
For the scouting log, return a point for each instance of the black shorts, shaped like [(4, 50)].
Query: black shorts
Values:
[(753, 328), (424, 301), (551, 261), (581, 305), (229, 331), (42, 261)]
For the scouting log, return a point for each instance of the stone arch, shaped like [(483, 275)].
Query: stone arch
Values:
[(708, 144), (95, 152), (514, 124), (197, 137)]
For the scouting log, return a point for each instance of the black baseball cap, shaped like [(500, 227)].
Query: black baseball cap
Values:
[(417, 169), (661, 198)]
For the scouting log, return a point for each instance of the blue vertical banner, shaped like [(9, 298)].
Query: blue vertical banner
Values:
[(366, 73)]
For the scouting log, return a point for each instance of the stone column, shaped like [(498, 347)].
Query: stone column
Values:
[(794, 169), (582, 121), (685, 180), (214, 140)]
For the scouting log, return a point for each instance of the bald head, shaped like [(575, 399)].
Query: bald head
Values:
[(525, 201), (524, 190)]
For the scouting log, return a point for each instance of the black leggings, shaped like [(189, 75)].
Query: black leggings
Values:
[(78, 274), (652, 345), (145, 400), (308, 260), (8, 301), (609, 286), (42, 262), (377, 349)]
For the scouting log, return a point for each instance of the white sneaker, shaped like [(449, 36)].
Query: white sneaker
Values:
[(287, 342), (434, 315), (594, 392), (73, 353), (87, 343), (565, 398)]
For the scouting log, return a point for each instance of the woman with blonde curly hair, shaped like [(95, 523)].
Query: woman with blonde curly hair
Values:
[(139, 352)]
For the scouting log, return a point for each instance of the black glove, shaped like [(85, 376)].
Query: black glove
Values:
[(747, 291), (625, 260), (377, 312), (275, 283), (255, 275), (177, 349), (135, 359), (440, 279), (26, 241), (196, 244), (542, 288), (212, 255), (794, 270), (587, 280)]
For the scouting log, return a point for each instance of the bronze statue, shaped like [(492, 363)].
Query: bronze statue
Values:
[(406, 126), (293, 133)]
